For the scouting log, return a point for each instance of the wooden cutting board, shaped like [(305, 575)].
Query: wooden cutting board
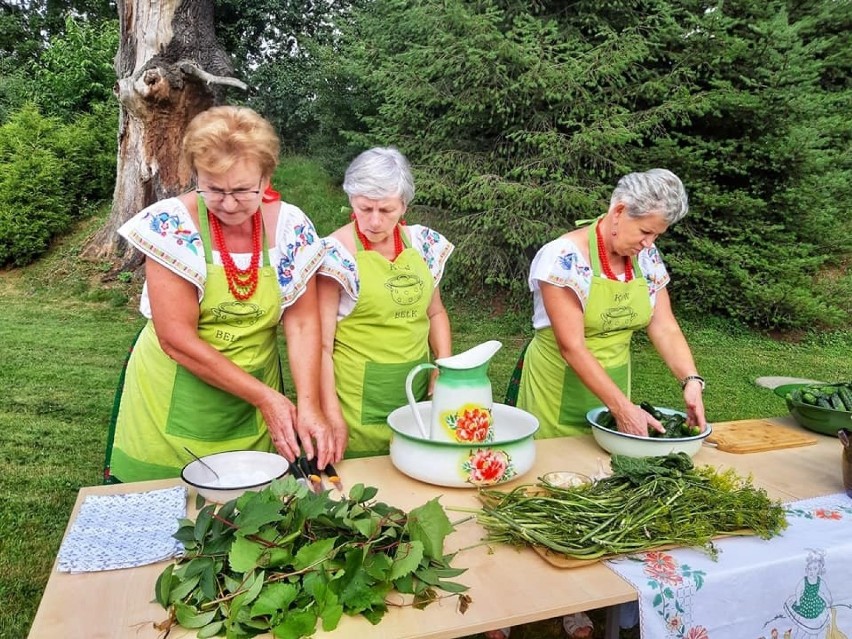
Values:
[(756, 435)]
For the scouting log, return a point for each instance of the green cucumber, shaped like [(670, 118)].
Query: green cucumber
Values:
[(846, 397), (836, 402)]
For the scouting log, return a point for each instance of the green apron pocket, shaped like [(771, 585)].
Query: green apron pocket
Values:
[(577, 400), (384, 389), (206, 413)]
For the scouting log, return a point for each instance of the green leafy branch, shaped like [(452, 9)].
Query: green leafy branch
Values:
[(284, 559)]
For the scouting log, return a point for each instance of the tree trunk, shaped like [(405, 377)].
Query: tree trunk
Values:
[(170, 68)]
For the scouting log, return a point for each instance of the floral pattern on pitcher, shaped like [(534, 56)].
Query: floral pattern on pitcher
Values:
[(471, 423), (488, 466)]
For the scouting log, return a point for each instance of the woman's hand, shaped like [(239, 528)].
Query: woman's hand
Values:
[(634, 421), (280, 416), (340, 436), (316, 436), (694, 401)]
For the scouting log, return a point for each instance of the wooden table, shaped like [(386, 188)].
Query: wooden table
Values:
[(508, 586)]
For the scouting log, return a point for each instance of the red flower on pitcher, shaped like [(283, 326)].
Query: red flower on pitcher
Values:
[(488, 466), (473, 425)]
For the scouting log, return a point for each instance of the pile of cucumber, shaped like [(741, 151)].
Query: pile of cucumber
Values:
[(832, 396), (674, 425)]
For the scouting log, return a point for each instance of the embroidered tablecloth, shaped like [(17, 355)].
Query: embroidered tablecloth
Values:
[(124, 531), (795, 585)]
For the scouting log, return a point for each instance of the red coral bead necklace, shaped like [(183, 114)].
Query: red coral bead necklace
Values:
[(241, 282), (397, 239), (604, 259)]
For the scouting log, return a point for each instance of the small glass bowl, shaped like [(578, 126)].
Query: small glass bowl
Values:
[(565, 479)]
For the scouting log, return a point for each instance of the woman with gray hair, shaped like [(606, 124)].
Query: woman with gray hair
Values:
[(592, 288), (380, 307)]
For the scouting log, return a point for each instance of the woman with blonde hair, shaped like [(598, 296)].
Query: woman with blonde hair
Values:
[(224, 267)]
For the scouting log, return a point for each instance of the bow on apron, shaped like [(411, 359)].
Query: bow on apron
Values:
[(165, 407), (549, 388), (384, 337)]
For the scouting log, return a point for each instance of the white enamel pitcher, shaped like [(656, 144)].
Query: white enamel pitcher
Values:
[(461, 401)]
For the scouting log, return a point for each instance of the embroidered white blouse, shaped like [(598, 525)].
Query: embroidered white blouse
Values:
[(560, 263), (339, 263), (166, 233)]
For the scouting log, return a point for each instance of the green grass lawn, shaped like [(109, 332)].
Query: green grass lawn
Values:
[(63, 338)]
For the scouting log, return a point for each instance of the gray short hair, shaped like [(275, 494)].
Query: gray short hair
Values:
[(655, 191), (378, 173)]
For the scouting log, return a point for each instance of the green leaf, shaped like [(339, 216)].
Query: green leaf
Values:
[(202, 522), (378, 566), (331, 615), (273, 598), (189, 617), (452, 586), (314, 553), (368, 527), (356, 492), (300, 623), (407, 559), (257, 514), (164, 586), (210, 630), (182, 590), (429, 525), (197, 565), (208, 583), (244, 554)]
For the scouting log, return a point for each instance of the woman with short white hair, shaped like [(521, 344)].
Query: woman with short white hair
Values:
[(380, 306), (592, 288)]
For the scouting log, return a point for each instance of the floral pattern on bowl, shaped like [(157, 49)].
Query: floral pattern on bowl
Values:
[(487, 466), (470, 424)]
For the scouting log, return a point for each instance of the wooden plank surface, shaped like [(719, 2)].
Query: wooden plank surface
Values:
[(757, 435)]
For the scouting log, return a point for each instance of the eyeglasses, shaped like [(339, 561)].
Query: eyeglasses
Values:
[(219, 196)]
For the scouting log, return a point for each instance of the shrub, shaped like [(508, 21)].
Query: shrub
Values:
[(49, 174)]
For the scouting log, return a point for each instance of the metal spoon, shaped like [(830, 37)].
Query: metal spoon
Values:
[(203, 463)]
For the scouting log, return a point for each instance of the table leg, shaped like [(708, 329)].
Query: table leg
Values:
[(612, 627)]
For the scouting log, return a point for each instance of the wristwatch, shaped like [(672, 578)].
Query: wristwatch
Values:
[(690, 378)]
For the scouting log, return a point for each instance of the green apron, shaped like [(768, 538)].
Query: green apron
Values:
[(384, 337), (164, 407), (549, 388)]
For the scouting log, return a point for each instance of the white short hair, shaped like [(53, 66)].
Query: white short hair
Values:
[(379, 173), (656, 191)]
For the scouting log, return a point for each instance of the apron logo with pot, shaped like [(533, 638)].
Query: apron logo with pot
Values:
[(237, 313), (405, 289), (617, 318)]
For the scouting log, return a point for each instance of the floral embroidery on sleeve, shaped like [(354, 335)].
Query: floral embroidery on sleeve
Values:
[(305, 235), (340, 266), (433, 247), (168, 224), (166, 233), (560, 264), (654, 270), (301, 253)]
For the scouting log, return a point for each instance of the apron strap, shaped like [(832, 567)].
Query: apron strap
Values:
[(515, 380)]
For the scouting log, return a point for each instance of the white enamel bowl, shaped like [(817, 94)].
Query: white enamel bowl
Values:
[(238, 470), (618, 443), (509, 455)]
